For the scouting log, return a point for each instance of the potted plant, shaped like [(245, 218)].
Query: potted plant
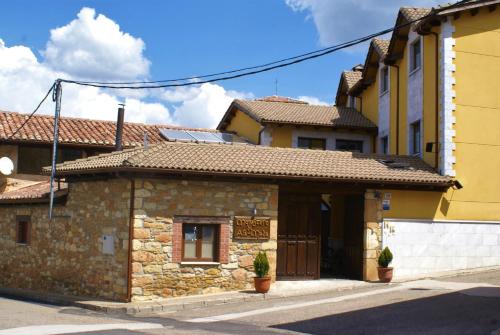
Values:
[(262, 280), (384, 271)]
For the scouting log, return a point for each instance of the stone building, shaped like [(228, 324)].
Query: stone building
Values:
[(181, 218)]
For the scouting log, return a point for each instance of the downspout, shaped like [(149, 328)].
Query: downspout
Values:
[(436, 100), (130, 239)]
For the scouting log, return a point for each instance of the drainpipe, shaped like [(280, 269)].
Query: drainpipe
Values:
[(130, 239), (436, 102)]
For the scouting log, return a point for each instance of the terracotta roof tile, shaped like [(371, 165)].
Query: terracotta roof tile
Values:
[(414, 13), (78, 130), (351, 78), (304, 114), (381, 45), (258, 161), (37, 191)]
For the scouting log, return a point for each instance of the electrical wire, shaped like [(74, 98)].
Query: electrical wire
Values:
[(262, 68), (32, 113)]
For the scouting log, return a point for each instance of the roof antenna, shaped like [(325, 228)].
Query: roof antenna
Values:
[(276, 86), (146, 140)]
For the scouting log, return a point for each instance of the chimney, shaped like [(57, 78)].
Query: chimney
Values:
[(119, 127)]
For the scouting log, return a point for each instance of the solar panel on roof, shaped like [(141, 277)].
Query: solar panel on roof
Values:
[(199, 136), (176, 135), (205, 136)]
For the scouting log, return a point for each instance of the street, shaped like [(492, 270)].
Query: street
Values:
[(468, 304)]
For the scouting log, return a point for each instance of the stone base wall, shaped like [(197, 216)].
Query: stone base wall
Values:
[(157, 274), (65, 254), (372, 234)]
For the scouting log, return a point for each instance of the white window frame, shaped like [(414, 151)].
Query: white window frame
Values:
[(413, 67), (384, 70)]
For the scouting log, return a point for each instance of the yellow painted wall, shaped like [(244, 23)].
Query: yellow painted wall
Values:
[(477, 127), (429, 102), (369, 98), (282, 137), (245, 126)]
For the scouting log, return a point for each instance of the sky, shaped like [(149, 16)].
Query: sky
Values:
[(123, 40)]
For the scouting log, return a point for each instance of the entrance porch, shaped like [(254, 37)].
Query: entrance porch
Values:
[(327, 234)]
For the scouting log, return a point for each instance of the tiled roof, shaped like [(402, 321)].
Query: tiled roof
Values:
[(351, 78), (302, 114), (39, 191), (382, 46), (275, 98), (414, 13), (243, 160), (77, 130)]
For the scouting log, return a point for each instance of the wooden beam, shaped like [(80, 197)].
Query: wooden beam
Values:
[(492, 8), (474, 11)]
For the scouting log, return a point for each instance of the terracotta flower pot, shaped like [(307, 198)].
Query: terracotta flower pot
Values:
[(385, 274), (262, 285)]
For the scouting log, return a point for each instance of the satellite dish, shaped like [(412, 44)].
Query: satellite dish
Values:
[(6, 166)]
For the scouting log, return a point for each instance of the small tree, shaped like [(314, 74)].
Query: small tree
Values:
[(385, 258), (261, 265)]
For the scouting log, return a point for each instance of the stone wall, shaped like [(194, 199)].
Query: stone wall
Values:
[(372, 234), (158, 202), (65, 255)]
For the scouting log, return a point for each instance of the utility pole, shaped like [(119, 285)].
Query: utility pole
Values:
[(57, 98)]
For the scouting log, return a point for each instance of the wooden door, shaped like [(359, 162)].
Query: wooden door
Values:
[(299, 236)]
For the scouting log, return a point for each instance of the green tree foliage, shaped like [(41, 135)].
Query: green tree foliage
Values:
[(261, 265)]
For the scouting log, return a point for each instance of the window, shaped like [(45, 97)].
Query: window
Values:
[(311, 143), (384, 144), (349, 145), (31, 159), (415, 52), (384, 81), (200, 242), (352, 101), (415, 138), (23, 230)]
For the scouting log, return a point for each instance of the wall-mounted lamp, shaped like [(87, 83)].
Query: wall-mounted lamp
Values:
[(457, 185), (254, 211), (429, 146)]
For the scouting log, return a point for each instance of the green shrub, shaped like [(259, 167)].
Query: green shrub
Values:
[(261, 265), (385, 258)]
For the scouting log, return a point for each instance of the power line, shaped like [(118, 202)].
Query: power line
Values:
[(256, 69), (32, 113)]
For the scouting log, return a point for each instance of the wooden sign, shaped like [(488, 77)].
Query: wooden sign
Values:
[(251, 228)]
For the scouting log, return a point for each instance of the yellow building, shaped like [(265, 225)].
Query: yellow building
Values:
[(432, 91)]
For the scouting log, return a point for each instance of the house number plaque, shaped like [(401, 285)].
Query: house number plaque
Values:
[(251, 228)]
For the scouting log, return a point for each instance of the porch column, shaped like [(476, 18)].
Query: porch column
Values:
[(372, 239)]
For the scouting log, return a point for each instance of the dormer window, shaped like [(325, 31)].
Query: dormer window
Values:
[(415, 55), (384, 79)]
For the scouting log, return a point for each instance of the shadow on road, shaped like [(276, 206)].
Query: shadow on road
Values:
[(473, 311)]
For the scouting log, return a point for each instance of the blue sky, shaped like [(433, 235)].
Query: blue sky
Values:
[(181, 38)]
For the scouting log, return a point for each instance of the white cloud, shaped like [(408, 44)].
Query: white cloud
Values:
[(343, 20), (203, 106), (312, 100), (93, 47)]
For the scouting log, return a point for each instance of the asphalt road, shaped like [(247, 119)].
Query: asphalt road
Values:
[(454, 305)]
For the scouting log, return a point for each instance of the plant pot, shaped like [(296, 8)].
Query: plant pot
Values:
[(385, 274), (262, 284)]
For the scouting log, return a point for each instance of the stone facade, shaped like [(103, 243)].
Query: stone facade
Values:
[(159, 203), (372, 239), (65, 255)]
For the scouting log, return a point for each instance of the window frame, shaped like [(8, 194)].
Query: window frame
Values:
[(416, 141), (384, 80), (415, 62), (216, 245), (310, 139), (361, 142), (384, 144), (23, 220)]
